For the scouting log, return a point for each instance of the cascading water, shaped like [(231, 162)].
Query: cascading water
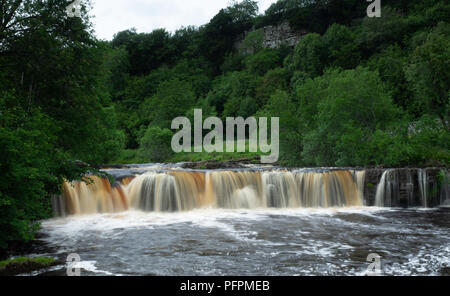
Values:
[(360, 177), (227, 189), (423, 186), (387, 190), (165, 220), (183, 190), (445, 188), (329, 189), (94, 195), (186, 190), (155, 192)]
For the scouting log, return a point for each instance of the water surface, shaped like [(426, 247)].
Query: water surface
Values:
[(333, 241)]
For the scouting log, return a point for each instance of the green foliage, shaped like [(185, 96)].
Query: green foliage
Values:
[(233, 63), (273, 80), (141, 87), (440, 12), (55, 108), (430, 142), (355, 91), (390, 64), (216, 156), (147, 51), (240, 107), (171, 100), (263, 61), (24, 265), (155, 145), (217, 38), (340, 113), (281, 105), (342, 50), (116, 68), (32, 167), (379, 33), (44, 261), (232, 86), (310, 55), (359, 117), (428, 75), (17, 204), (254, 41), (314, 16)]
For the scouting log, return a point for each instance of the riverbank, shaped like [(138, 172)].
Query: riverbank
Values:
[(246, 162), (223, 160), (16, 258), (132, 156), (25, 265)]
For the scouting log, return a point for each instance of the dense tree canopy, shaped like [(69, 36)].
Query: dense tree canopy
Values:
[(54, 108), (352, 81), (354, 91)]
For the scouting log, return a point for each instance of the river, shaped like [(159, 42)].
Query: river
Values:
[(281, 231)]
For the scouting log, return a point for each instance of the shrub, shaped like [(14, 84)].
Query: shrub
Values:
[(155, 145)]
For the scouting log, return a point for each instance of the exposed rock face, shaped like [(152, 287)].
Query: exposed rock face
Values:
[(373, 177), (275, 36)]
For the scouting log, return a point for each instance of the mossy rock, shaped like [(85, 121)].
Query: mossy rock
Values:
[(25, 265)]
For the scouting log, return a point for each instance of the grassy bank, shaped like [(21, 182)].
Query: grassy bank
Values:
[(25, 265), (134, 156)]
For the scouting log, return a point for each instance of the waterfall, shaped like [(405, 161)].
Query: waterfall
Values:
[(184, 190), (93, 195), (387, 189), (423, 186), (445, 188), (280, 190), (160, 192), (409, 188), (175, 191), (226, 189), (360, 177), (329, 189), (396, 188)]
